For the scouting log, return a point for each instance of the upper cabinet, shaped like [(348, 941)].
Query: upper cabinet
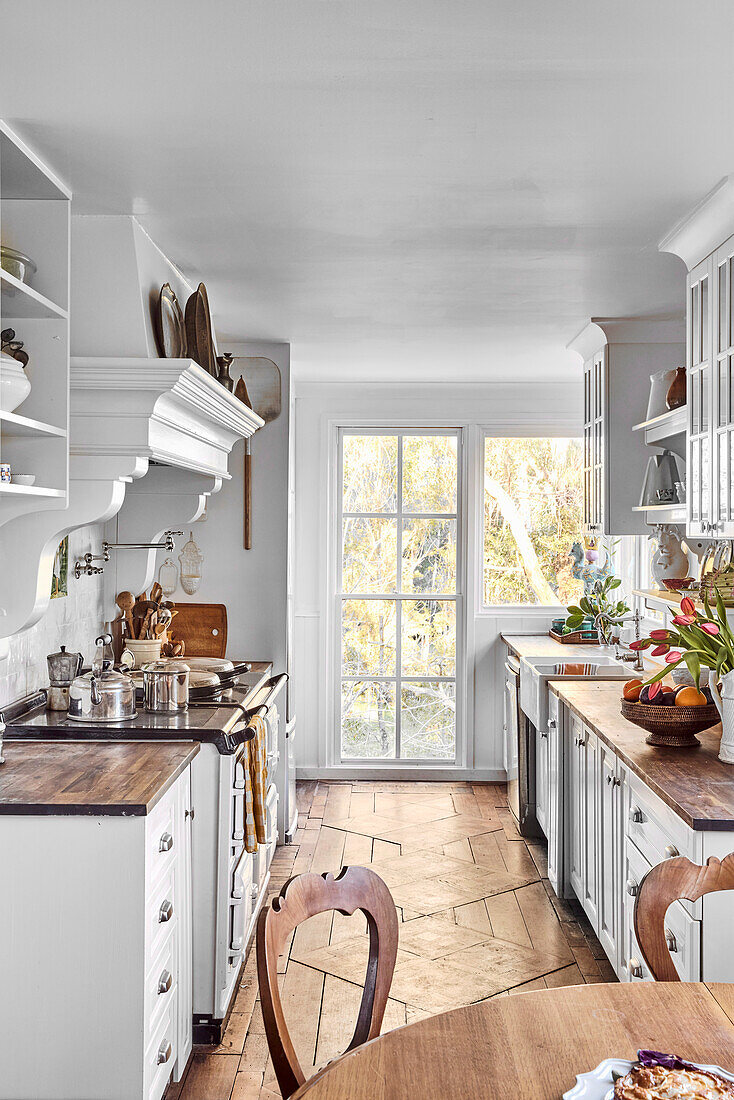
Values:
[(619, 355), (697, 239)]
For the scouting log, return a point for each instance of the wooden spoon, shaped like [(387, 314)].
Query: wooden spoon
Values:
[(156, 593), (126, 602)]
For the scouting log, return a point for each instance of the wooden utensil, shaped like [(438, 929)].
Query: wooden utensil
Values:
[(156, 593), (263, 392), (126, 602)]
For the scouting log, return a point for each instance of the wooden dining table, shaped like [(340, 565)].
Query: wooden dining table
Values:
[(531, 1046)]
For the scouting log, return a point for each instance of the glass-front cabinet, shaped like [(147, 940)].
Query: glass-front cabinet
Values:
[(722, 381), (698, 359), (594, 411)]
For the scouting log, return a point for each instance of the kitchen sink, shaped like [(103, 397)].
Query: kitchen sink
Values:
[(536, 672)]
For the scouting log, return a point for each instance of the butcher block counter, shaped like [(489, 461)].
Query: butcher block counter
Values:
[(102, 779), (542, 645), (696, 785)]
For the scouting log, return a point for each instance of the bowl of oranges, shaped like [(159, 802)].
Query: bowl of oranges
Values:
[(672, 714)]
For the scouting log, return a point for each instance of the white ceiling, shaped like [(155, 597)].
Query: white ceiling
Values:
[(423, 190)]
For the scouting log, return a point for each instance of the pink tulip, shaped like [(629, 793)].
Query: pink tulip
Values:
[(687, 606), (684, 620), (711, 628), (673, 656), (642, 644), (654, 689), (660, 650), (659, 635)]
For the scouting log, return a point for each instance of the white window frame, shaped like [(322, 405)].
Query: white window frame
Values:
[(334, 638), (510, 431)]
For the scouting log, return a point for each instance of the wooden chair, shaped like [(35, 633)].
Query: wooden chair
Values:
[(305, 896), (670, 881)]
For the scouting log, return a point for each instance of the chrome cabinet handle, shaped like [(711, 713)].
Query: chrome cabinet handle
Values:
[(544, 733), (255, 891), (552, 723), (671, 851), (632, 888), (190, 813), (616, 782), (237, 893), (609, 778), (165, 982), (166, 843), (671, 941), (164, 1052), (165, 912), (635, 968), (636, 815)]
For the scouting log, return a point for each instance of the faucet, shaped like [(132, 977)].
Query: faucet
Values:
[(2, 731), (622, 651)]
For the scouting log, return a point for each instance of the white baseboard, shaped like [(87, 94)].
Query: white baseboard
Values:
[(353, 773)]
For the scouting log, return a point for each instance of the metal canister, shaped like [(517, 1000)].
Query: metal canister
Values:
[(166, 686)]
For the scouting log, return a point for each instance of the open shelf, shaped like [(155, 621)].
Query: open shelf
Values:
[(674, 513), (11, 424), (21, 300), (672, 599), (661, 429), (29, 490)]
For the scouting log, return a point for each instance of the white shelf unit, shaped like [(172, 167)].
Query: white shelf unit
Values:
[(665, 430), (35, 220)]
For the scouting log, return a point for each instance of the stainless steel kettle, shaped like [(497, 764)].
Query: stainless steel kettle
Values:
[(63, 667), (102, 695)]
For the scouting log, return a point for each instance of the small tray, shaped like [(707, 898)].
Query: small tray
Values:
[(671, 727), (576, 638)]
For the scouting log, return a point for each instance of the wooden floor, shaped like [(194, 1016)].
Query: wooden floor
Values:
[(478, 920)]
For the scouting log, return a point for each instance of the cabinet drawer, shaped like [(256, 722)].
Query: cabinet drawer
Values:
[(160, 1055), (161, 836), (160, 914), (656, 831), (161, 984), (683, 932)]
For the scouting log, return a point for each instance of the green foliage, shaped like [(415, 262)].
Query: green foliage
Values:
[(598, 602)]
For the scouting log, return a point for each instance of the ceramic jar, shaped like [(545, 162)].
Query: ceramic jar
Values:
[(676, 395), (725, 705), (14, 384), (143, 650)]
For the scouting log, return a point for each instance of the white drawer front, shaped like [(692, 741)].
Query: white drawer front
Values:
[(160, 983), (658, 833), (160, 915), (682, 931), (160, 1055), (161, 837)]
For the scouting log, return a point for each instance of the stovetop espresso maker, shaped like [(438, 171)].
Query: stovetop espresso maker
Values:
[(63, 668)]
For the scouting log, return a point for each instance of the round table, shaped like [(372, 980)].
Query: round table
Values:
[(530, 1046)]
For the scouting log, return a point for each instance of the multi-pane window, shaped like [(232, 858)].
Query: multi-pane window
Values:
[(533, 500), (398, 594)]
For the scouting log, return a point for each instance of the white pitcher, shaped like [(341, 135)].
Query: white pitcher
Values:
[(725, 706)]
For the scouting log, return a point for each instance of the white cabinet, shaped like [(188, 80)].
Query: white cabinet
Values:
[(611, 793), (581, 790), (554, 801), (575, 806), (619, 355), (97, 917), (541, 778)]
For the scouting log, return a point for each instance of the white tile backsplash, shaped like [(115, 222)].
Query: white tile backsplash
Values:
[(74, 621)]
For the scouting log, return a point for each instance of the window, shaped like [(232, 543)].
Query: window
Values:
[(397, 594), (533, 497)]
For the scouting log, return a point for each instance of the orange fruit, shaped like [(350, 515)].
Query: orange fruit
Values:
[(631, 690), (690, 697)]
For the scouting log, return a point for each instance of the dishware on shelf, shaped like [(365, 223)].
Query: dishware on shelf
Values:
[(199, 331), (660, 477), (17, 264), (677, 584), (660, 383), (676, 395), (669, 559), (671, 727), (170, 327), (6, 473), (24, 479), (15, 384), (681, 491)]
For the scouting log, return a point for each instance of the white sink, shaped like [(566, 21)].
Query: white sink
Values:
[(535, 672)]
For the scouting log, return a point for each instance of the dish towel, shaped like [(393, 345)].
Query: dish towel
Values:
[(255, 782)]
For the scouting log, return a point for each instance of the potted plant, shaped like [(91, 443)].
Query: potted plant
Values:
[(700, 641), (599, 606)]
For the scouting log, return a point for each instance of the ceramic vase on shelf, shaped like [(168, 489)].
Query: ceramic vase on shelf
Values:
[(676, 395), (14, 384), (670, 561), (725, 705)]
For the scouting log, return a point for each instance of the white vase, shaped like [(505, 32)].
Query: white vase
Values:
[(14, 384), (725, 706)]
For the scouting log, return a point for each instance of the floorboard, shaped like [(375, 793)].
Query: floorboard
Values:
[(462, 843)]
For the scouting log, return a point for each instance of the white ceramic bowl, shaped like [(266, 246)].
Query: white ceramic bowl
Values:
[(24, 479), (14, 384)]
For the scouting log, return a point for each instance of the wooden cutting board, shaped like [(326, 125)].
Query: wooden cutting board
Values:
[(203, 627)]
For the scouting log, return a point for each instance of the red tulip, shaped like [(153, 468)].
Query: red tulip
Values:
[(673, 656), (687, 606), (654, 689), (660, 650), (659, 635), (711, 628), (684, 620), (643, 643)]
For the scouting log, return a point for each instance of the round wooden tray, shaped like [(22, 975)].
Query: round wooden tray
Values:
[(673, 727)]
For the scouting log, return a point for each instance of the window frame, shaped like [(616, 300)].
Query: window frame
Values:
[(337, 596), (513, 431)]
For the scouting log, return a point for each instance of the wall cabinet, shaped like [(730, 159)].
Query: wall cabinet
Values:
[(619, 355)]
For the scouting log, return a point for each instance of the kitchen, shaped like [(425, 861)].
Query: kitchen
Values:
[(366, 521)]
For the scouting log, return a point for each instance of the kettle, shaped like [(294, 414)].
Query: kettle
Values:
[(63, 667), (102, 695)]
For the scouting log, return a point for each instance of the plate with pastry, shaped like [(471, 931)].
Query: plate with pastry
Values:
[(654, 1076)]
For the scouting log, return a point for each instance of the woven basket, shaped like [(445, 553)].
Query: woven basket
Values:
[(674, 727), (721, 582), (577, 637)]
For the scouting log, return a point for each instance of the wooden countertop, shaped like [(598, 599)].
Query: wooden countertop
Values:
[(542, 645), (89, 778), (693, 782)]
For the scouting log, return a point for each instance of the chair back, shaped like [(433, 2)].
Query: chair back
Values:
[(306, 896), (673, 880)]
